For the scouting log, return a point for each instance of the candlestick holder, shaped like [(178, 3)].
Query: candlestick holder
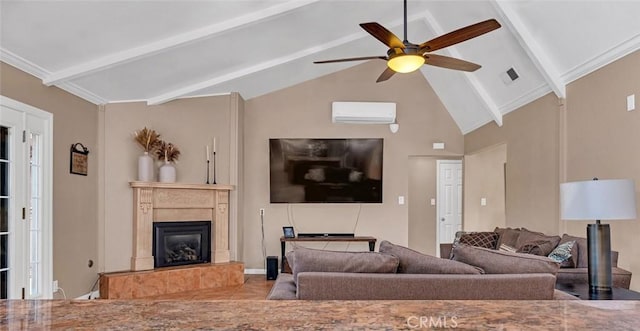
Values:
[(214, 167), (207, 171)]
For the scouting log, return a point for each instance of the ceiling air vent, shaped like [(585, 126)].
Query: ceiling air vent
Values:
[(509, 76)]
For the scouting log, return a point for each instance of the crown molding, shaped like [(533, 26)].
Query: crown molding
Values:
[(31, 68), (23, 64), (83, 93), (525, 99), (614, 53)]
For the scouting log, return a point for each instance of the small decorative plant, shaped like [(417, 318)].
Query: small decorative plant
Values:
[(147, 139), (167, 152)]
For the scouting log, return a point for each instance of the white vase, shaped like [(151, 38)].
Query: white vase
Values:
[(145, 168), (167, 173)]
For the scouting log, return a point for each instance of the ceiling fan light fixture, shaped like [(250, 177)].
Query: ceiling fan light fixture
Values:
[(405, 63)]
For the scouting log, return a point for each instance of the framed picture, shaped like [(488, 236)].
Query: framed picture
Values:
[(288, 232), (79, 163)]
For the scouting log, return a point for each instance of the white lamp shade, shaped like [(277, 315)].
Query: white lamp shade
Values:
[(613, 199)]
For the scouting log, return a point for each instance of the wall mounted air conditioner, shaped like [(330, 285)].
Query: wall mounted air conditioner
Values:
[(363, 112)]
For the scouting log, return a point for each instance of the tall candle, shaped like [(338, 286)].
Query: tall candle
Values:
[(214, 144), (207, 152)]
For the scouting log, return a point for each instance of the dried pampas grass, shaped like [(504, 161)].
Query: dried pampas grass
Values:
[(167, 151), (147, 139)]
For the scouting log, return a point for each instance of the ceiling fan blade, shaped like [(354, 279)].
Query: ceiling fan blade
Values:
[(353, 59), (450, 62), (459, 35), (381, 33), (385, 75)]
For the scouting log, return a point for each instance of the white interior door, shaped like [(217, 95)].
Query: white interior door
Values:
[(449, 200), (25, 201)]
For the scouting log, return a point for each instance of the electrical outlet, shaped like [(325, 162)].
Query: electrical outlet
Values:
[(261, 211), (54, 286)]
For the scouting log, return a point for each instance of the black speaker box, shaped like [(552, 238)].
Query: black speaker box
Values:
[(272, 267)]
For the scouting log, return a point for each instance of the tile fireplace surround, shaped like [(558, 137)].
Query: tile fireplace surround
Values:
[(176, 202)]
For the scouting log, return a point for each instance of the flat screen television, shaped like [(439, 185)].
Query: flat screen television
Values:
[(325, 170)]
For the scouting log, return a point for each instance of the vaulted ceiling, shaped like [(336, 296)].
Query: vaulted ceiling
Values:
[(158, 51)]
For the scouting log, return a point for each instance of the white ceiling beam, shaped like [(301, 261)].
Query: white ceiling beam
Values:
[(475, 84), (536, 53), (166, 44), (177, 93), (180, 92)]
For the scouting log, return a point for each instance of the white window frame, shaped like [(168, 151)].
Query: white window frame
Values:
[(47, 194)]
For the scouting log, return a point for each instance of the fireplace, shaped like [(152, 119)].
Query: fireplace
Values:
[(180, 243), (174, 202)]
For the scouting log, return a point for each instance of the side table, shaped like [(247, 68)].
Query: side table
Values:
[(582, 291)]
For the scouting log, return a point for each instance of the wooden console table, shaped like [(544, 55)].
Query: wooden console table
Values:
[(283, 243)]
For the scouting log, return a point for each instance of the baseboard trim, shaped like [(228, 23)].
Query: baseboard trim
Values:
[(255, 271), (93, 295)]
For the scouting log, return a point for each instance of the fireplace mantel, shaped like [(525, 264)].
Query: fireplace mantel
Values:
[(175, 202)]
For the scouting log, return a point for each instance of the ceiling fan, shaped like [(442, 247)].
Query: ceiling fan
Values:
[(404, 56)]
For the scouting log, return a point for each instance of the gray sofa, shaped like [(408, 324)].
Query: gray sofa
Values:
[(398, 273), (573, 272), (375, 286)]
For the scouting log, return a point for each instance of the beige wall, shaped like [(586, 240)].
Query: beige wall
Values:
[(484, 179), (190, 124), (304, 111), (594, 137), (75, 198), (422, 215), (603, 140), (423, 220), (531, 136)]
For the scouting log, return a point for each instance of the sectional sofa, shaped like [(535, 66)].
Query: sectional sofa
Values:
[(572, 271), (399, 273)]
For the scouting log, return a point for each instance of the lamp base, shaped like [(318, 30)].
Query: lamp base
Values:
[(599, 249)]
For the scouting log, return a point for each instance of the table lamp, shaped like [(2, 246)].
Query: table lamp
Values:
[(598, 200)]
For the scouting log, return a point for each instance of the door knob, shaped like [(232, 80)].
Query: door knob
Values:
[(442, 219)]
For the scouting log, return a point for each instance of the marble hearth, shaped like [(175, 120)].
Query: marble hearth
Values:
[(176, 202), (149, 283)]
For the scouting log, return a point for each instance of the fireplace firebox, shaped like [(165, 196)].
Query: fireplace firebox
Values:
[(180, 243)]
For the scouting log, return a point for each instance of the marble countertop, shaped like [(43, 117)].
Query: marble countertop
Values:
[(320, 315)]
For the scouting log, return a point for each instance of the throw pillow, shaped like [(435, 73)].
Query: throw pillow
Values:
[(562, 253), (290, 257), (413, 262), (480, 239), (500, 262), (307, 259), (527, 236), (538, 247), (579, 255), (507, 236), (456, 240), (507, 248), (475, 239)]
